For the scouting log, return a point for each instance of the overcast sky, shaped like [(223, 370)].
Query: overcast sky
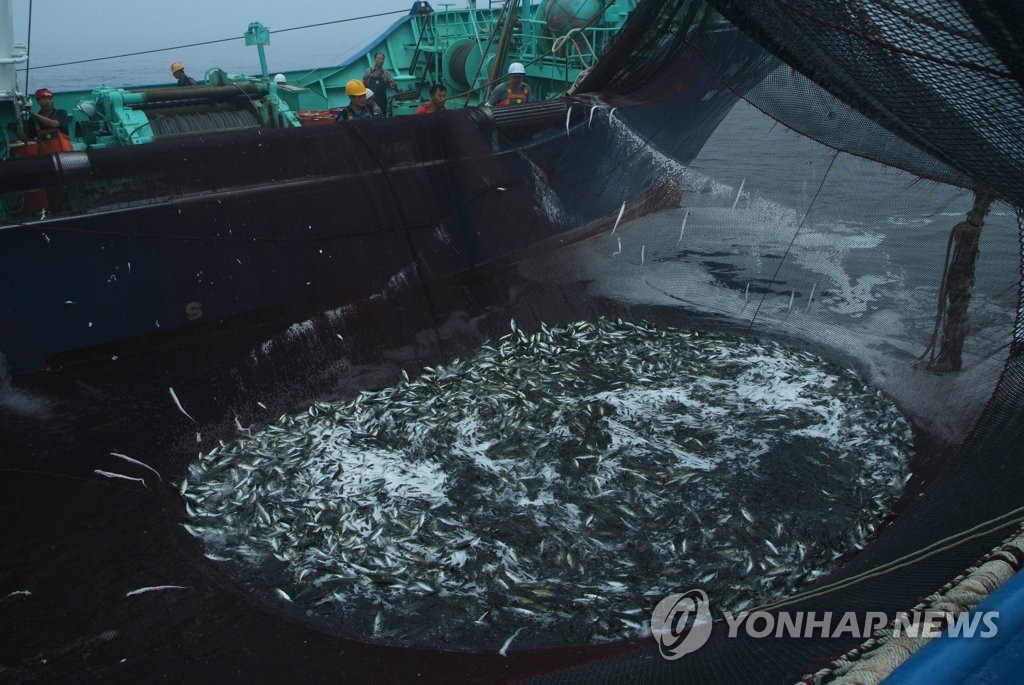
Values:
[(69, 30)]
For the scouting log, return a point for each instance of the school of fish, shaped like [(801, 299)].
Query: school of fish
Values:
[(557, 483)]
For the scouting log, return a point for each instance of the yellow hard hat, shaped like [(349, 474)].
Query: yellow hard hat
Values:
[(355, 88), (175, 66)]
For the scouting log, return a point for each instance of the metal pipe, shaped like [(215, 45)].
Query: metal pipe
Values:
[(197, 92), (27, 173), (545, 112)]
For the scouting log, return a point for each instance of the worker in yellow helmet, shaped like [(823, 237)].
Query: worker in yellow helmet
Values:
[(178, 69), (357, 109)]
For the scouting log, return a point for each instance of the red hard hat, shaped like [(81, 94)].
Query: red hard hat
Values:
[(44, 93)]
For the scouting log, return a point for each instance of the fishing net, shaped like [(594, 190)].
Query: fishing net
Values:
[(503, 382), (913, 90)]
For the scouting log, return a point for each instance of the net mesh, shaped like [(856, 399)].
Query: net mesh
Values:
[(914, 89), (943, 76), (816, 211)]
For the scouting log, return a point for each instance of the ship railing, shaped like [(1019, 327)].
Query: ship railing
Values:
[(538, 44)]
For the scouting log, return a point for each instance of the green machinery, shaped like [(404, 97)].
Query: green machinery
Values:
[(467, 50), (115, 116)]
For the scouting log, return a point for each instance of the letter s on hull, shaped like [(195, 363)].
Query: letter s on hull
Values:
[(193, 310)]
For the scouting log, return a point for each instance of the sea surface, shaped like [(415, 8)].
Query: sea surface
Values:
[(779, 234), (113, 65)]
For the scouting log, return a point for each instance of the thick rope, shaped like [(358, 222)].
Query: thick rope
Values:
[(955, 289), (879, 656)]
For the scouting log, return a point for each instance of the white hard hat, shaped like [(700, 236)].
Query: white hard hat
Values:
[(279, 78), (516, 68), (369, 93)]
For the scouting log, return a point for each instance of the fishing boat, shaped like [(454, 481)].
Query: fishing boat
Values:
[(198, 210), (465, 49)]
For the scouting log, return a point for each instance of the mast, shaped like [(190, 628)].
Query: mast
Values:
[(511, 10), (11, 53)]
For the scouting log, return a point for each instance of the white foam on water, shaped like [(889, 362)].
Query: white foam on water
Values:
[(865, 306)]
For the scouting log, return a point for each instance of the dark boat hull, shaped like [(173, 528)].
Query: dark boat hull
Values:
[(201, 236)]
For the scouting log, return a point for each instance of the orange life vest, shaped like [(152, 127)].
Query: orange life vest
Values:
[(515, 98), (52, 140)]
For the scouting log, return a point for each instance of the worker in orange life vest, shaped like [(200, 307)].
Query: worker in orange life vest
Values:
[(48, 126), (515, 92), (49, 129)]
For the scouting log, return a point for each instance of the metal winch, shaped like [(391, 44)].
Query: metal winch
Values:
[(115, 116)]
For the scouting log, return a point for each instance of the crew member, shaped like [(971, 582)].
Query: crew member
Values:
[(515, 91), (48, 126), (357, 109), (438, 96), (371, 104), (378, 79), (178, 69)]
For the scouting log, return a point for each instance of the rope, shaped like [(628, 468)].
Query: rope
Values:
[(880, 655), (955, 288), (504, 39), (479, 66), (204, 122), (981, 530), (789, 247), (562, 40), (28, 46), (941, 299), (489, 85)]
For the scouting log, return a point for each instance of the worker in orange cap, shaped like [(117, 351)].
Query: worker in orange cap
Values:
[(48, 126), (178, 69)]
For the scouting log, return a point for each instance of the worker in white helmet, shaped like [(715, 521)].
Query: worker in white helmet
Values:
[(515, 91), (371, 104)]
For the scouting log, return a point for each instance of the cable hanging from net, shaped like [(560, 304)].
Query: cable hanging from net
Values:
[(792, 240)]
